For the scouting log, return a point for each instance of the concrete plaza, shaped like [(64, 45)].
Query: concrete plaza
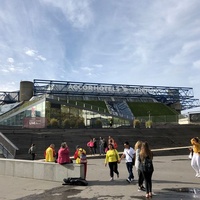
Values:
[(173, 179)]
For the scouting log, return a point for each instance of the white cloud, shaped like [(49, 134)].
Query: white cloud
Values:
[(98, 65), (10, 60), (5, 70), (75, 71), (77, 12), (34, 54), (196, 64), (184, 54), (87, 68), (31, 52), (40, 58)]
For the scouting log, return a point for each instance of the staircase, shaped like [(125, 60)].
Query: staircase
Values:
[(119, 109)]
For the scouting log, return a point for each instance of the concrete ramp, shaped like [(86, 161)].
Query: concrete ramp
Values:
[(40, 170)]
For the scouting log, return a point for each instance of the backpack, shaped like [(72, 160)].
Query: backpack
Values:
[(75, 181), (83, 157), (147, 165)]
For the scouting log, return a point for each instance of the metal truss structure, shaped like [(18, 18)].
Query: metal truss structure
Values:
[(84, 90), (163, 94), (9, 97)]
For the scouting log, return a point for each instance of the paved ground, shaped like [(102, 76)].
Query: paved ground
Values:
[(173, 179)]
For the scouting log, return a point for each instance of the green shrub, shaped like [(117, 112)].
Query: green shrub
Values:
[(66, 123), (80, 123), (98, 124), (136, 123), (54, 123), (148, 124)]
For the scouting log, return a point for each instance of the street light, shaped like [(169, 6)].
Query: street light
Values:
[(149, 115)]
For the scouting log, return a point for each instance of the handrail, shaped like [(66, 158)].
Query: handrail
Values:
[(7, 147)]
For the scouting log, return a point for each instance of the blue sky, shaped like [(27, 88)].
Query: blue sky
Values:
[(137, 42)]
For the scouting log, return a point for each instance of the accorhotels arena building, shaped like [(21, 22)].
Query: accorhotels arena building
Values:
[(76, 104)]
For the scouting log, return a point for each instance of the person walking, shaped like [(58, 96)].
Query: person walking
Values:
[(111, 140), (95, 145), (129, 155), (101, 146), (195, 161), (63, 154), (146, 166), (81, 158), (90, 144), (138, 145), (112, 159), (32, 151), (105, 145), (50, 153)]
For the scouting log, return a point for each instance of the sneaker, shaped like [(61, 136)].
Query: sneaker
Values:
[(132, 179), (111, 179), (198, 176), (143, 188), (150, 194), (147, 195), (128, 180)]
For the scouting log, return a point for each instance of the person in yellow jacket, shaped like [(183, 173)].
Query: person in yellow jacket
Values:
[(81, 158), (50, 154), (195, 162), (112, 159)]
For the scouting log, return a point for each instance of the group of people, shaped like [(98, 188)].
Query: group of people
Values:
[(62, 156), (141, 156), (195, 155), (103, 145)]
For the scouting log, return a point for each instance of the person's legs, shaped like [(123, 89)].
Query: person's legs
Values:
[(130, 170), (140, 179), (90, 149), (93, 151), (100, 150), (194, 162), (115, 168), (198, 163), (149, 179), (145, 175), (33, 156), (110, 164)]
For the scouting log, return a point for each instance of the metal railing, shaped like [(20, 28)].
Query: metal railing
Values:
[(160, 119), (8, 149)]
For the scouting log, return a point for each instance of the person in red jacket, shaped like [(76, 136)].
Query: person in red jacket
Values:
[(81, 158), (63, 154)]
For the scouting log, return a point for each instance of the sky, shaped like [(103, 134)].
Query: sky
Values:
[(135, 42)]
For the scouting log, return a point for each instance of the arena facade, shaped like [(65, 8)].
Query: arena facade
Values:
[(40, 103)]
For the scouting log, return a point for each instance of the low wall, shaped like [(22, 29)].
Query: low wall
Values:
[(40, 170)]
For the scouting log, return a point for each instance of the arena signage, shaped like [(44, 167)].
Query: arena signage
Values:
[(106, 89)]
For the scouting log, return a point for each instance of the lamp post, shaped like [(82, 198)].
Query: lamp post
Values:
[(149, 115), (149, 122)]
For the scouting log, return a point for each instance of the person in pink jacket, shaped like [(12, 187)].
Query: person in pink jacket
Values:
[(90, 144), (63, 154)]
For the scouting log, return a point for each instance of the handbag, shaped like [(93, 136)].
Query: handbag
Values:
[(190, 155), (133, 158)]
